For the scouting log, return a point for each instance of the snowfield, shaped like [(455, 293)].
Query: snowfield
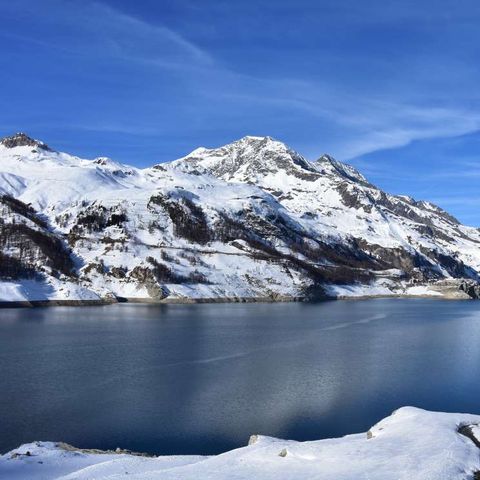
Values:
[(411, 444), (32, 291), (249, 220)]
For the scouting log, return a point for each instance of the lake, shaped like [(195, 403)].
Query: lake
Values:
[(202, 378)]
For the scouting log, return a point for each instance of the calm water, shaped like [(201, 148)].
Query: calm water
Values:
[(202, 378)]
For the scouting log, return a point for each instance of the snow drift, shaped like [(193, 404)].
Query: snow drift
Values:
[(409, 444)]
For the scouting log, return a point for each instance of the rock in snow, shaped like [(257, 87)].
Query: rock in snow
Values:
[(411, 444), (250, 220)]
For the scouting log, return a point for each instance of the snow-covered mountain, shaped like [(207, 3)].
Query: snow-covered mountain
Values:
[(253, 219)]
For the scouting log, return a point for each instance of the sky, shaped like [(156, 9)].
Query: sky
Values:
[(391, 87)]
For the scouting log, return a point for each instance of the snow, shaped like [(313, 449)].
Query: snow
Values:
[(383, 288), (410, 444), (36, 290), (359, 290), (422, 290), (257, 174)]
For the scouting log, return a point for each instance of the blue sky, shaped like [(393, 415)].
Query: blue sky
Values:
[(391, 87)]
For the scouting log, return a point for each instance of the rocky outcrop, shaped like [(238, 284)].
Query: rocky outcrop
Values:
[(22, 140), (456, 288), (29, 247), (471, 288)]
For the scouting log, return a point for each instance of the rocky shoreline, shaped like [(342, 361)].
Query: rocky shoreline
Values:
[(56, 303), (449, 289)]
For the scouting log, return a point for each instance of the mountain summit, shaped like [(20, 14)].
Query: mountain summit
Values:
[(251, 219), (21, 139), (247, 159)]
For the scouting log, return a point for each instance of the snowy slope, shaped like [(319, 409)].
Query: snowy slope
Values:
[(338, 197), (252, 219), (410, 444)]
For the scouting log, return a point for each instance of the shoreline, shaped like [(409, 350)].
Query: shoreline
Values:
[(203, 300), (54, 303), (152, 301), (409, 443)]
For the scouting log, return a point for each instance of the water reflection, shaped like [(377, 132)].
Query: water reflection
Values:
[(202, 378)]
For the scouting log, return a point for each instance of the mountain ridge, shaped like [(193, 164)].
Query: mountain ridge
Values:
[(250, 219)]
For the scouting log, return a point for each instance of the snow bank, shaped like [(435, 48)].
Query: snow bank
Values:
[(51, 290), (411, 444), (386, 289), (423, 290)]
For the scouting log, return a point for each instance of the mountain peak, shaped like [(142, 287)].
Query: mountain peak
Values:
[(254, 138), (21, 139), (246, 159), (264, 142)]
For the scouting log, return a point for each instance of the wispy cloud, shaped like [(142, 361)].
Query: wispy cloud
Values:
[(368, 121), (150, 42), (94, 29), (410, 123)]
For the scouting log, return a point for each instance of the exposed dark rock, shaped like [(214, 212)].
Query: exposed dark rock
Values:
[(17, 206), (189, 220), (145, 277), (22, 140), (467, 431), (12, 268), (410, 262), (329, 165), (70, 448), (94, 267), (36, 246), (95, 218), (117, 272), (471, 288)]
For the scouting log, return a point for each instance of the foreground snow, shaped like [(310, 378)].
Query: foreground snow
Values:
[(410, 444)]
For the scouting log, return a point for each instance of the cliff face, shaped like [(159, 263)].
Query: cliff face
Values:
[(250, 219)]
